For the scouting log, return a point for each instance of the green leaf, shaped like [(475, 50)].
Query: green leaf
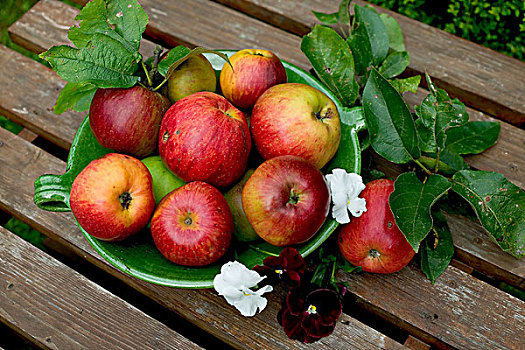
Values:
[(75, 96), (499, 206), (438, 113), (408, 84), (449, 162), (180, 54), (390, 124), (332, 60), (104, 62), (344, 157), (327, 18), (100, 17), (395, 35), (344, 13), (473, 137), (129, 19), (369, 40), (437, 250), (349, 268), (411, 202), (395, 64)]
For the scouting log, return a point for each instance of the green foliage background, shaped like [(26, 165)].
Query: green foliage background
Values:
[(497, 24)]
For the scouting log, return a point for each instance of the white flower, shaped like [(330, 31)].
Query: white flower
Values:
[(345, 189), (234, 283)]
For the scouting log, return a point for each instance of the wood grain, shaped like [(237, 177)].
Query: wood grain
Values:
[(23, 162), (505, 157), (49, 21), (487, 80), (55, 307), (462, 311)]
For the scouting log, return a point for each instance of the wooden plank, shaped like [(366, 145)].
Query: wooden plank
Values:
[(495, 262), (55, 307), (501, 158), (415, 344), (458, 311), (23, 162), (48, 21), (27, 135), (487, 80), (28, 96)]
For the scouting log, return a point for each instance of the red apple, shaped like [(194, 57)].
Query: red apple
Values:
[(286, 200), (296, 119), (373, 240), (204, 137), (193, 75), (254, 71), (193, 225), (112, 198), (127, 120)]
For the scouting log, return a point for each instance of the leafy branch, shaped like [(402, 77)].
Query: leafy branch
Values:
[(359, 61)]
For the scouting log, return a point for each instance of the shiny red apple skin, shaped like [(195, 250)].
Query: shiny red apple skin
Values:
[(193, 225), (203, 137), (286, 200), (112, 197), (127, 120), (254, 71), (296, 119), (373, 240)]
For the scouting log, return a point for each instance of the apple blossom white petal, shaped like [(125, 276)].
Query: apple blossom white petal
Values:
[(234, 283), (345, 189)]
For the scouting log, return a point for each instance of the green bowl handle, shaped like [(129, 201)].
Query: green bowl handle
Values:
[(52, 192)]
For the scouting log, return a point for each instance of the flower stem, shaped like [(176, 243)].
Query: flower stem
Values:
[(261, 250), (422, 167)]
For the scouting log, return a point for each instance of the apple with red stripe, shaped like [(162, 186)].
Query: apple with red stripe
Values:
[(373, 240), (254, 71), (112, 197), (203, 137), (193, 225), (286, 200)]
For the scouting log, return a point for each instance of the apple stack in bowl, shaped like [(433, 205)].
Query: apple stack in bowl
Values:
[(207, 184)]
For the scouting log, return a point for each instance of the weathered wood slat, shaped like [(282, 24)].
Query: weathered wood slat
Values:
[(460, 311), (23, 162), (503, 157), (51, 24), (55, 307), (487, 80)]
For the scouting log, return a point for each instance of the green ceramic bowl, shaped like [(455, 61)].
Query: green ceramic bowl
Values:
[(138, 255)]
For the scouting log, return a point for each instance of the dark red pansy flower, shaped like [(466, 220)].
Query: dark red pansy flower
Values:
[(309, 313), (287, 267)]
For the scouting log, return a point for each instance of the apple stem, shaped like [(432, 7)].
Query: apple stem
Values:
[(147, 74), (125, 200), (294, 198)]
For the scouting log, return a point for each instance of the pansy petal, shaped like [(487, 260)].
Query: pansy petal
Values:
[(248, 306), (237, 274), (354, 185), (357, 206)]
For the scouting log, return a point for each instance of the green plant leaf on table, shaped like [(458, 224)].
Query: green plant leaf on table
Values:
[(473, 137), (343, 14), (369, 40), (345, 157), (104, 62), (448, 163), (327, 18), (438, 113), (122, 20), (411, 203), (395, 35), (395, 64), (390, 124), (75, 96), (499, 206), (407, 84), (437, 251), (333, 62)]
